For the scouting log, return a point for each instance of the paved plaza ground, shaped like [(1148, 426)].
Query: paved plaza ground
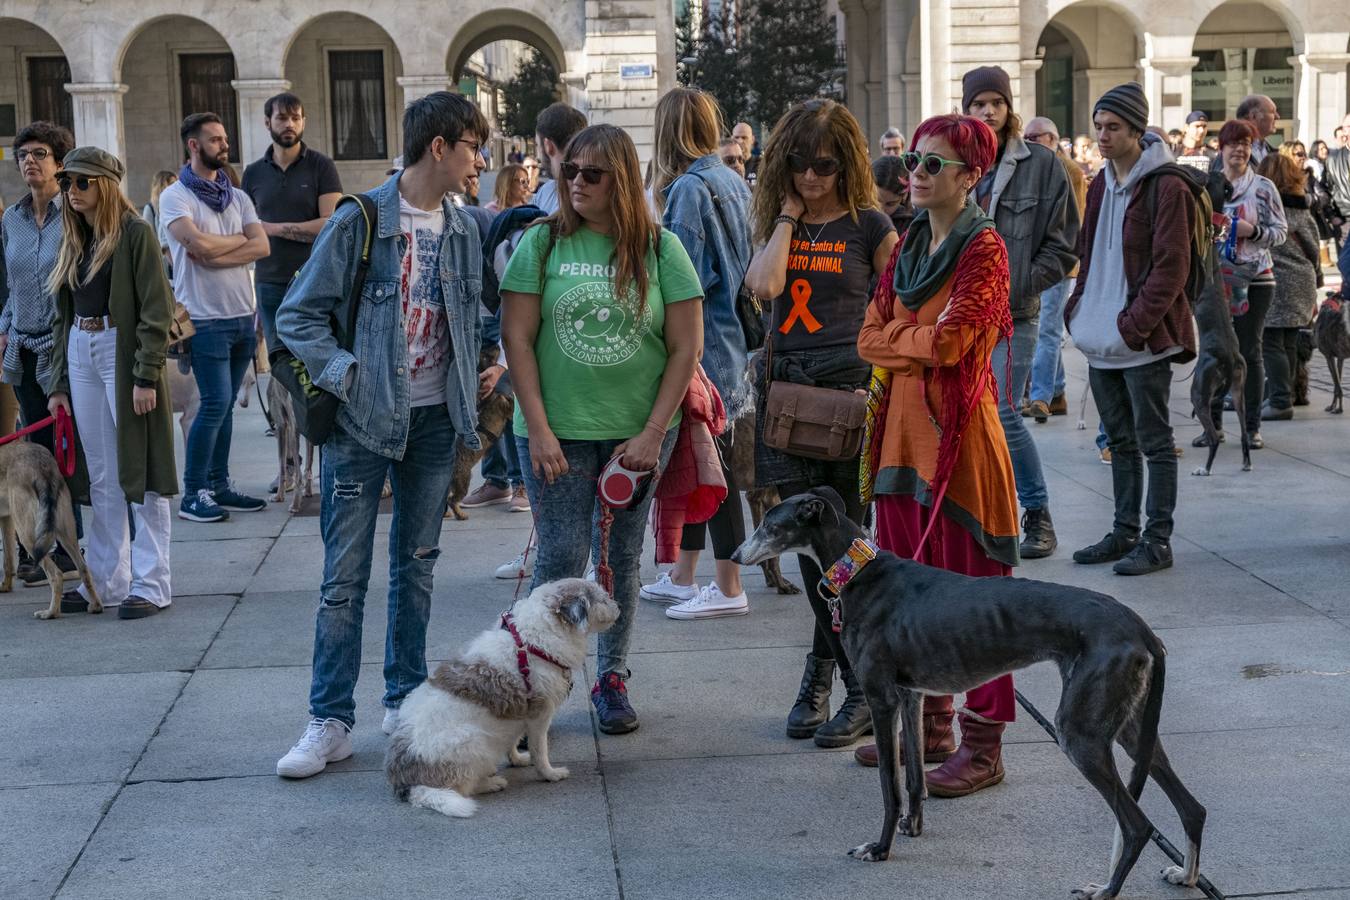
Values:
[(137, 757)]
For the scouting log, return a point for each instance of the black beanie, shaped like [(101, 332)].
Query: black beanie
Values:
[(985, 78), (1127, 101)]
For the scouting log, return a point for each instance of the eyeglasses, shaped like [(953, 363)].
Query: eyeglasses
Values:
[(81, 182), (929, 162), (733, 160), (589, 174), (39, 154), (824, 167), (475, 146), (1299, 154), (1037, 135)]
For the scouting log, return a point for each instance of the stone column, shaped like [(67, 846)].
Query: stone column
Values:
[(1320, 100), (1095, 82), (624, 63), (1026, 102), (1167, 84), (415, 87), (253, 134), (98, 116)]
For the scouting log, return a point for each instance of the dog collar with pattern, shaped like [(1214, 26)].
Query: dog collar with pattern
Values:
[(524, 651), (836, 578)]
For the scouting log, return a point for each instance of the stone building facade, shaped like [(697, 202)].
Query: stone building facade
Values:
[(906, 57), (123, 73)]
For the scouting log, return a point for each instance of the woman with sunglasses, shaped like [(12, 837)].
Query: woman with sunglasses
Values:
[(706, 205), (511, 190), (113, 309), (825, 240), (603, 329), (936, 448)]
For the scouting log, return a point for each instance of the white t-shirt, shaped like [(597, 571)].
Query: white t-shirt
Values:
[(208, 293), (428, 329)]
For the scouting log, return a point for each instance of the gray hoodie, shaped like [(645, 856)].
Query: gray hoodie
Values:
[(1093, 326)]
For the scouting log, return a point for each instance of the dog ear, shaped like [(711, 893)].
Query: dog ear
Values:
[(811, 509), (573, 611), (831, 496)]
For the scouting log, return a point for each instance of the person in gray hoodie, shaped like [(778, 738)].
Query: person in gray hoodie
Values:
[(1129, 315)]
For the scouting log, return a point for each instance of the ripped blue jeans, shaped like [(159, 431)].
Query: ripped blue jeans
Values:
[(351, 478)]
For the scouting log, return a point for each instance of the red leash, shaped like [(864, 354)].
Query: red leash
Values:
[(64, 439)]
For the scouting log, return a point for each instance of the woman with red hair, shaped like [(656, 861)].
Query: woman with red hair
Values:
[(936, 460)]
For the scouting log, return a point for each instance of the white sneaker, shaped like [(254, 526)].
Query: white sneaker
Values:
[(324, 741), (520, 567), (390, 720), (710, 603), (667, 591)]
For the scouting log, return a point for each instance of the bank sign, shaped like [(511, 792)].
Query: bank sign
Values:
[(1220, 92)]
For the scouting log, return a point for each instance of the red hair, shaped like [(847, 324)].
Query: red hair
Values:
[(974, 143), (1235, 130)]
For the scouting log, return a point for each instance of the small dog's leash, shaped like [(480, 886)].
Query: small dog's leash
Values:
[(1157, 837), (63, 440)]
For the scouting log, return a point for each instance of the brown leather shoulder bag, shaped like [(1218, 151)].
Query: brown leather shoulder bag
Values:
[(815, 422)]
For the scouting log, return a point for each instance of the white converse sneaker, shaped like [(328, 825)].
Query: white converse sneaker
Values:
[(390, 720), (710, 603), (667, 591), (520, 567), (324, 741)]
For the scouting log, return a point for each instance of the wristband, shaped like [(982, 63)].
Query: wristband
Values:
[(654, 424), (785, 219)]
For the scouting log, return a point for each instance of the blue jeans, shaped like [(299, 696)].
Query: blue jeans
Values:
[(221, 352), (566, 513), (269, 300), (1047, 366), (350, 480), (1026, 461), (501, 464)]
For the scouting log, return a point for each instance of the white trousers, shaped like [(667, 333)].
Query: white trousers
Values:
[(120, 567)]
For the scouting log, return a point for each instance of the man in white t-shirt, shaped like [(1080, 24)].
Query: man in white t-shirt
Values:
[(214, 234)]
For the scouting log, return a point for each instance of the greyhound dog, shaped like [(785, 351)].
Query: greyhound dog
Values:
[(1220, 364), (1331, 331), (740, 460), (911, 629), (290, 466)]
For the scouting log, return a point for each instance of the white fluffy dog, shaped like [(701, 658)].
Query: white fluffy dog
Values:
[(456, 728)]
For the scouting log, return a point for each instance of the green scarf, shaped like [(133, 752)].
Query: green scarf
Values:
[(918, 274)]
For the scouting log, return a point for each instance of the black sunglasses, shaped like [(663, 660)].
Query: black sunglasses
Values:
[(81, 182), (732, 160), (589, 174), (823, 167)]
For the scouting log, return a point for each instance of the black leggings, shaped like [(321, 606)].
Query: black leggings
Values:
[(1250, 326), (1280, 354), (843, 477), (727, 525)]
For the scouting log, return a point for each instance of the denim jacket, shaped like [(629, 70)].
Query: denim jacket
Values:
[(720, 259), (375, 407)]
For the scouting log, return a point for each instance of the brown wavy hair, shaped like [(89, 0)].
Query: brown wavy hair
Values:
[(635, 231), (688, 127), (816, 126)]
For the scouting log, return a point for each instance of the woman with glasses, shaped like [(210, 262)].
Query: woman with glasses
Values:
[(706, 205), (936, 458), (30, 233), (603, 328), (113, 309), (825, 240), (511, 190)]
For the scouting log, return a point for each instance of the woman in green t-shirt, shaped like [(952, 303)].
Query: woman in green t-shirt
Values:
[(603, 327)]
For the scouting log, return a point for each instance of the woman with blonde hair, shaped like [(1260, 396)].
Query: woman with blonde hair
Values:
[(111, 332), (512, 188), (603, 328), (825, 241), (707, 207), (150, 212)]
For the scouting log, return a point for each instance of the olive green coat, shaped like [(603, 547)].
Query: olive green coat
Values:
[(140, 304)]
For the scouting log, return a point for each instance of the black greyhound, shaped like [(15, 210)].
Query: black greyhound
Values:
[(910, 629), (1219, 365)]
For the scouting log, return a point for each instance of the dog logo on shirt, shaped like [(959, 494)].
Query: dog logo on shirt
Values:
[(594, 329)]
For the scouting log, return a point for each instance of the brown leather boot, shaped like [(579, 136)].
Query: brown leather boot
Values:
[(977, 763), (939, 741)]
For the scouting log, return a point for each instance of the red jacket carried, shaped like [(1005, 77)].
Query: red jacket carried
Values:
[(692, 487)]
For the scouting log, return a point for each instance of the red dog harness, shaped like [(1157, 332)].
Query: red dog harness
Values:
[(524, 651)]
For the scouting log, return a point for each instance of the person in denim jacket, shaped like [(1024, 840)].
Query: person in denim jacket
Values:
[(409, 388), (707, 206)]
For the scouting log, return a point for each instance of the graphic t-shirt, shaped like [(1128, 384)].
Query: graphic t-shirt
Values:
[(601, 358), (828, 273), (428, 330)]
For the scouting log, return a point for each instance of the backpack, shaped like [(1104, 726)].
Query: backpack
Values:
[(1208, 190), (499, 243)]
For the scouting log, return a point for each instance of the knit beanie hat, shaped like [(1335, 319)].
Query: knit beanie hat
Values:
[(1127, 101), (985, 78)]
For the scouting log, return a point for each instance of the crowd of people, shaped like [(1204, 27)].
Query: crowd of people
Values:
[(926, 286)]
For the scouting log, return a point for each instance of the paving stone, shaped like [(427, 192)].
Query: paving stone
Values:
[(43, 830)]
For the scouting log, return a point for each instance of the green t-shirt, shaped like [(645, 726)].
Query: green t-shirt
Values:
[(600, 360)]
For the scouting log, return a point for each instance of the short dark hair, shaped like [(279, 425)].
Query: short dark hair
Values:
[(1235, 130), (441, 114), (560, 123), (283, 102), (58, 139), (193, 125), (889, 173)]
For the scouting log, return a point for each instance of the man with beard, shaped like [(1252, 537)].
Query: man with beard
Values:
[(214, 234), (295, 189)]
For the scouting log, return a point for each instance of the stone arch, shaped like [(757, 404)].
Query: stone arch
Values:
[(505, 25), (1242, 48), (171, 66), (1082, 54), (34, 68), (335, 53)]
